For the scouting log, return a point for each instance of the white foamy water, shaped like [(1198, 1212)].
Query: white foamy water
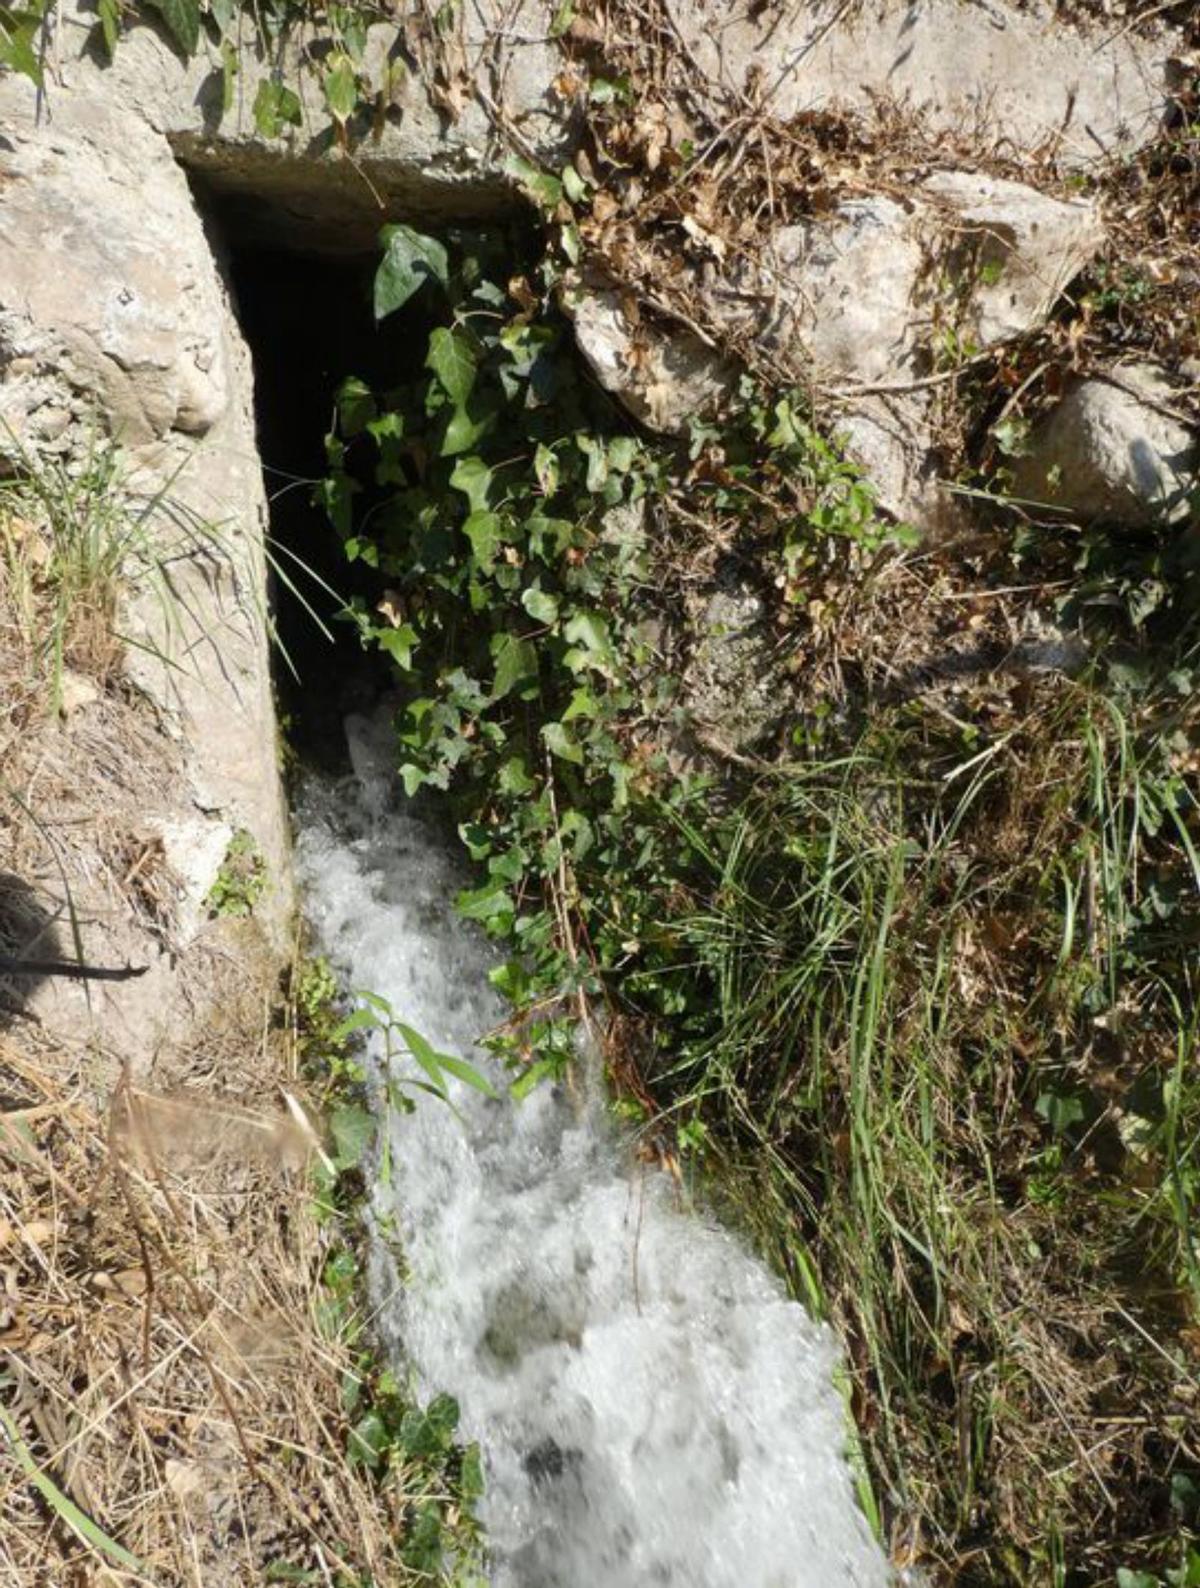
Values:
[(651, 1409)]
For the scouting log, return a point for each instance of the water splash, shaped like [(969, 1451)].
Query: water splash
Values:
[(652, 1410)]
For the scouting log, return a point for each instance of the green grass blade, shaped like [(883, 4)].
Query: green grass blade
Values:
[(62, 1505)]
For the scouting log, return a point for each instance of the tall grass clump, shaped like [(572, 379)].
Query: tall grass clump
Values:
[(65, 537), (942, 1055), (75, 537)]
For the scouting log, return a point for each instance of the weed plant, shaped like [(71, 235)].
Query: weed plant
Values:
[(65, 537), (75, 541)]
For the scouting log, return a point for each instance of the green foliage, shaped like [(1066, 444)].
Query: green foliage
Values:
[(239, 883), (182, 18), (375, 1014), (60, 1504), (327, 42), (430, 1481), (903, 1114), (409, 261), (503, 509), (20, 39), (275, 107), (71, 537)]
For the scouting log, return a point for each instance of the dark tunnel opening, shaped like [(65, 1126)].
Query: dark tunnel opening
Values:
[(308, 321)]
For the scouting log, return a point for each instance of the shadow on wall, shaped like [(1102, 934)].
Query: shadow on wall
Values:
[(1168, 483), (30, 934)]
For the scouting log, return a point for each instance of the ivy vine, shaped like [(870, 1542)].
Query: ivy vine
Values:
[(326, 43), (505, 507)]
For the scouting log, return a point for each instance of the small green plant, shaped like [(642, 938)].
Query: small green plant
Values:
[(431, 1481), (66, 539), (73, 540), (240, 882)]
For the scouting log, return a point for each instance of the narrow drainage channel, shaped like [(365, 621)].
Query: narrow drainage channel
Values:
[(651, 1409)]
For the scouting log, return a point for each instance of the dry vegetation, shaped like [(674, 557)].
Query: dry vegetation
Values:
[(182, 1349), (161, 1364)]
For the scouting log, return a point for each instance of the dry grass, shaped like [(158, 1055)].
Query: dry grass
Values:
[(162, 1361), (175, 1382)]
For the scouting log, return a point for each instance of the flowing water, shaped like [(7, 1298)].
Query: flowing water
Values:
[(650, 1407)]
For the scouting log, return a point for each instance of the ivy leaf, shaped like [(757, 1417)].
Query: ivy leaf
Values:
[(558, 533), (597, 461), (340, 84), (573, 184), (580, 831), (604, 90), (485, 904), (589, 630), (540, 604), (483, 531), (622, 451), (275, 106), (583, 704), (353, 1130), (452, 359), (368, 1441), (545, 467), (516, 661), (465, 429), (563, 16), (544, 189), (560, 743), (356, 405), (399, 643), (410, 260), (514, 778), (1060, 1109), (183, 21), (472, 477), (336, 495)]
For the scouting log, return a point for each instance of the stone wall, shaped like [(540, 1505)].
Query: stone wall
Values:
[(114, 308)]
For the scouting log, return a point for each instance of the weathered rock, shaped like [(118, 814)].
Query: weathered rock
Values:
[(116, 320), (663, 380), (841, 290), (862, 302), (1114, 453), (1010, 250), (733, 681), (870, 298), (990, 71)]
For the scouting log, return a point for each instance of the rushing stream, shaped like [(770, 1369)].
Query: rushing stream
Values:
[(651, 1409)]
